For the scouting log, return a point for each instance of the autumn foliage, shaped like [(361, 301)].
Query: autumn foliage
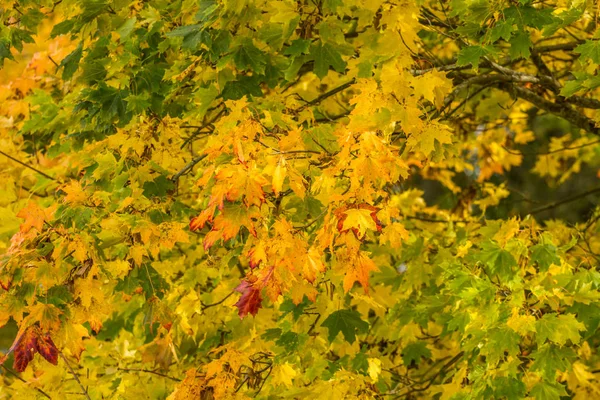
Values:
[(313, 199)]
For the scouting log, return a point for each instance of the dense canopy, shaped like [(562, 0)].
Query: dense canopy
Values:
[(320, 199)]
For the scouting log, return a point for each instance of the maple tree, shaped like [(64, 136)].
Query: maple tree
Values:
[(299, 199)]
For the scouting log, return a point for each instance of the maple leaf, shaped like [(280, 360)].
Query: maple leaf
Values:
[(70, 338), (251, 299), (34, 216), (346, 321), (358, 218), (228, 223), (32, 341), (425, 139), (74, 193), (357, 269)]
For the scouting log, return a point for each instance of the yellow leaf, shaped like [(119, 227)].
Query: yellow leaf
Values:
[(374, 368), (359, 219), (508, 230), (425, 139), (70, 337), (462, 250), (75, 194), (78, 248), (118, 268), (279, 176), (284, 374), (47, 315), (137, 253), (358, 268), (522, 324), (395, 234)]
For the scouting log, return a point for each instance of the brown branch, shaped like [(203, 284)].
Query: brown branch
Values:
[(556, 47), (326, 95), (544, 153), (564, 201), (562, 110), (27, 166), (149, 371), (205, 306), (188, 167)]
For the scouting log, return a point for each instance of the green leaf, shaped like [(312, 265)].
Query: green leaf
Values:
[(62, 27), (537, 18), (272, 334), (20, 36), (138, 103), (550, 358), (414, 352), (288, 306), (159, 187), (520, 45), (548, 390), (499, 261), (297, 47), (502, 29), (192, 36), (71, 62), (248, 57), (326, 56), (509, 388), (558, 329), (243, 86), (125, 30), (590, 50), (205, 96), (571, 87), (5, 51), (346, 321), (544, 255), (360, 363), (472, 55)]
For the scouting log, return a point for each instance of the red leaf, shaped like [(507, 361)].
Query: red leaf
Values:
[(30, 342), (251, 300), (25, 349), (47, 348)]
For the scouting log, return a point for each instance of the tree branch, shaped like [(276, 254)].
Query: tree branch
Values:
[(562, 110), (564, 201), (188, 167), (28, 166), (326, 95)]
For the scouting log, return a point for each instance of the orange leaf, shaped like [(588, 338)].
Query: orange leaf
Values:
[(34, 217), (359, 267)]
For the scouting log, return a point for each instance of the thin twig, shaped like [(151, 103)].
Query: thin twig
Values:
[(13, 373), (326, 95), (564, 201), (149, 371), (205, 306), (75, 376), (534, 153), (27, 166)]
